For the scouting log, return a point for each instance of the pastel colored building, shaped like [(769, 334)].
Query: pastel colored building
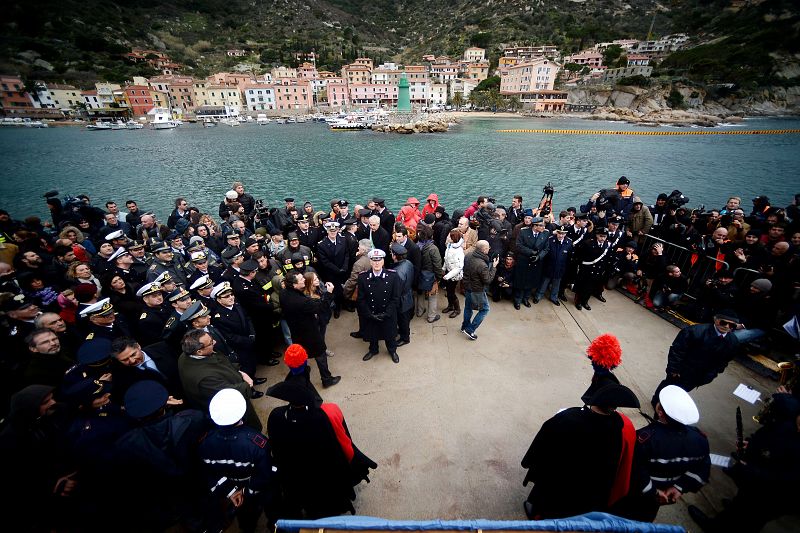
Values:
[(589, 58), (385, 76), (338, 95), (356, 73), (259, 97), (530, 52), (444, 72), (91, 101), (13, 98), (293, 95), (365, 61), (181, 95), (139, 99), (65, 97), (373, 95), (474, 54), (532, 82), (438, 94), (419, 83), (307, 71), (477, 71), (284, 72), (462, 86)]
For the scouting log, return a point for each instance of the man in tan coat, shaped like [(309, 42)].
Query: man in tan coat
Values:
[(362, 264)]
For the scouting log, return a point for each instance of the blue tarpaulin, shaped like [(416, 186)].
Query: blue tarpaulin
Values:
[(586, 522)]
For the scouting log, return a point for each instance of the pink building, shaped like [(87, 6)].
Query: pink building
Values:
[(532, 82), (293, 95), (338, 95), (373, 95), (590, 58)]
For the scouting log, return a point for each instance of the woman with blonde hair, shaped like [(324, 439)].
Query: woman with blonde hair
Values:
[(80, 272)]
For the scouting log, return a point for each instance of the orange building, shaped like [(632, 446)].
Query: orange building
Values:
[(13, 98), (140, 99)]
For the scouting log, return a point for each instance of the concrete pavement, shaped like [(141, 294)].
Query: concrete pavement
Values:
[(449, 424)]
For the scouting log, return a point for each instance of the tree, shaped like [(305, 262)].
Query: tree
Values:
[(514, 103), (492, 82), (573, 67), (458, 100), (479, 99), (611, 55), (675, 99)]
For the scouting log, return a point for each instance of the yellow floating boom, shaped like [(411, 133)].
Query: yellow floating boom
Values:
[(688, 132)]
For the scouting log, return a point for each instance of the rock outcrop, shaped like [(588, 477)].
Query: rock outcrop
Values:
[(435, 124), (651, 104)]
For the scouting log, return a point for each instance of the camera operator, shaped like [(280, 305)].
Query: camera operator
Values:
[(483, 217), (660, 212)]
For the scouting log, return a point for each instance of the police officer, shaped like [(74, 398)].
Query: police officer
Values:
[(593, 260), (141, 258), (236, 326), (198, 316), (615, 233), (333, 262), (307, 235), (201, 267), (256, 303), (387, 217), (378, 302), (232, 257), (122, 262), (102, 321), (238, 464), (578, 233), (670, 458), (173, 331), (154, 315), (201, 291), (164, 262)]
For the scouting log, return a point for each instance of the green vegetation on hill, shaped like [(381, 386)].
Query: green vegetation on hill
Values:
[(80, 41)]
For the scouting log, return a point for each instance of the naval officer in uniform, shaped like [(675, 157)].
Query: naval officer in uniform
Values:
[(378, 301)]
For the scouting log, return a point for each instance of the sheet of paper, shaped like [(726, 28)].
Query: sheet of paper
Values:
[(747, 394), (721, 460)]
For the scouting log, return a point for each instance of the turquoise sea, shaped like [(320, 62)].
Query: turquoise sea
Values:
[(312, 163)]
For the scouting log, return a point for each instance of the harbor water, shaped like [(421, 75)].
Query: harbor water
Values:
[(312, 163)]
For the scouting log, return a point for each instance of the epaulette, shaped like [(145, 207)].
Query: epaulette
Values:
[(217, 316), (90, 336), (144, 315), (259, 440), (390, 270), (153, 267), (643, 436), (169, 322)]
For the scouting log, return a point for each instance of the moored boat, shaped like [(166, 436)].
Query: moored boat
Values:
[(99, 125), (262, 119), (162, 119), (346, 125), (133, 125)]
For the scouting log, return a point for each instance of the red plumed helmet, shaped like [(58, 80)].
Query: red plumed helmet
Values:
[(605, 351), (295, 356)]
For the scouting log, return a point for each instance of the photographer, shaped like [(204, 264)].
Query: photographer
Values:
[(638, 222), (668, 288)]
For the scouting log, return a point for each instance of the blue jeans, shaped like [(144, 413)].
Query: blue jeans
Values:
[(469, 324), (556, 282), (748, 335), (660, 299)]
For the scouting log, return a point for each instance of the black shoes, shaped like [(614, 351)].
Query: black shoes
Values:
[(336, 313), (455, 313), (536, 300), (471, 336), (395, 357), (256, 394), (555, 302), (331, 382), (272, 362), (356, 335), (601, 298), (369, 355), (587, 307), (528, 506), (401, 342), (447, 309), (526, 303), (259, 381), (516, 306), (562, 297), (578, 306), (434, 319), (705, 522)]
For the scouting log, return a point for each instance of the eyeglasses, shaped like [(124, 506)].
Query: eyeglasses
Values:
[(727, 323)]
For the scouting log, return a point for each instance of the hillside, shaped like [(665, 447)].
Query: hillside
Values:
[(81, 41)]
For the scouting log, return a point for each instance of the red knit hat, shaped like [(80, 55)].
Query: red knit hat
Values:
[(295, 356), (605, 351)]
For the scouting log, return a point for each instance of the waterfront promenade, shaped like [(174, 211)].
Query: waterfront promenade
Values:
[(449, 425)]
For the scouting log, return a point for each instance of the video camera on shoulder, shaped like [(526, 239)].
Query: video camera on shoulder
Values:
[(676, 199)]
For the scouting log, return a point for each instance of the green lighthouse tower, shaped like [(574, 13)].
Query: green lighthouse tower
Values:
[(403, 95)]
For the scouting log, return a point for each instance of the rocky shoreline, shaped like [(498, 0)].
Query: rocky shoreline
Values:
[(437, 124)]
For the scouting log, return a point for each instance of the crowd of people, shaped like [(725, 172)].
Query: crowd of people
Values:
[(132, 346)]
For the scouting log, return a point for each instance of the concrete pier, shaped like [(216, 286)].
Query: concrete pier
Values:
[(449, 425)]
